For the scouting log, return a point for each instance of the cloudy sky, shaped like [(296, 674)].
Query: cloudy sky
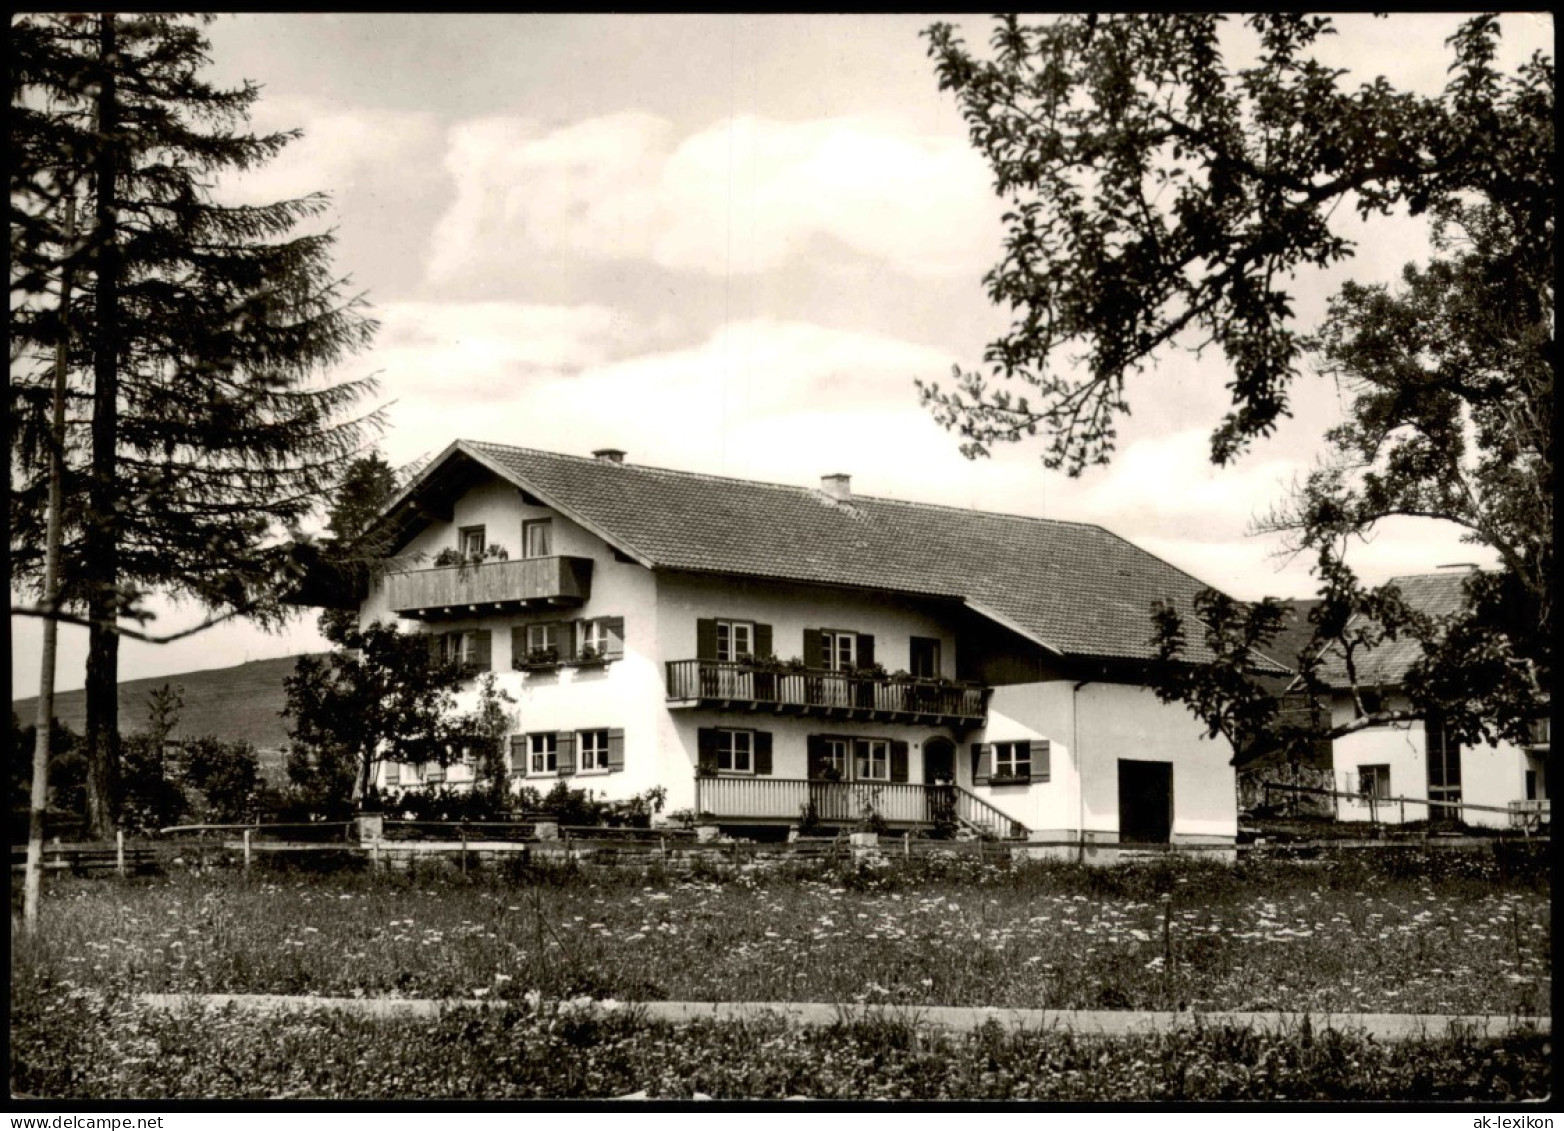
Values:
[(728, 244)]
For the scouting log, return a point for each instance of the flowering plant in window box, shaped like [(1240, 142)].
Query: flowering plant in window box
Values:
[(537, 659), (590, 657)]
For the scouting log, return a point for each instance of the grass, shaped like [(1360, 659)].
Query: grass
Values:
[(87, 1048), (1441, 936)]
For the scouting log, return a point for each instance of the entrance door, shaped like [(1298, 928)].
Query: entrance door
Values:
[(939, 776), (1145, 801)]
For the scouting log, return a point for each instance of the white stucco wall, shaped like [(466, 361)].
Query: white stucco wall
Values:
[(1490, 775), (625, 694), (1124, 721)]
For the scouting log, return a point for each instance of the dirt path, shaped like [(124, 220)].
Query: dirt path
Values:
[(1093, 1022)]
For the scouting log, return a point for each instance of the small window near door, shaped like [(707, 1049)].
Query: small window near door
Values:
[(925, 658), (1374, 782), (537, 538), (1012, 761), (471, 543)]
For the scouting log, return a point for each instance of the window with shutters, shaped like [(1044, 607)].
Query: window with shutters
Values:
[(599, 640), (542, 638), (838, 650), (735, 638), (592, 751), (736, 751), (537, 538), (872, 759), (461, 648), (542, 754), (1012, 761)]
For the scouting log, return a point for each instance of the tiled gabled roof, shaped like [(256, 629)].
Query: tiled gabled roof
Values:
[(1432, 594), (1076, 588)]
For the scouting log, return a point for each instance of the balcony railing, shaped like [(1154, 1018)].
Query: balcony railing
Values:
[(901, 804), (843, 694), (455, 590)]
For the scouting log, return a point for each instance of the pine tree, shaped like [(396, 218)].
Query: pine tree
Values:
[(203, 427)]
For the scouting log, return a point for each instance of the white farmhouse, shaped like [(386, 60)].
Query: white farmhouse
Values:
[(1413, 770), (756, 648)]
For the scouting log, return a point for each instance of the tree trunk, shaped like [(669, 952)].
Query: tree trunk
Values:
[(101, 538)]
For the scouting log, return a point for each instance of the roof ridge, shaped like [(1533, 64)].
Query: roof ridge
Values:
[(708, 476)]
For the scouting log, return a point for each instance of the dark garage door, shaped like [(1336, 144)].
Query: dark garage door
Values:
[(1145, 801)]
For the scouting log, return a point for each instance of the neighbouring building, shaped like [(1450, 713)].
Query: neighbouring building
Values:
[(1414, 770), (757, 649)]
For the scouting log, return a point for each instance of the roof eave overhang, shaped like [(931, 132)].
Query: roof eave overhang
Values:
[(1005, 622), (460, 447)]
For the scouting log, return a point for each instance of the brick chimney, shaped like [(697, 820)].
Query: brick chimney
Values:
[(838, 486), (609, 455)]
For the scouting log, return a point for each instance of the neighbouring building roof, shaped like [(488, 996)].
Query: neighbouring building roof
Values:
[(1075, 588), (1433, 594)]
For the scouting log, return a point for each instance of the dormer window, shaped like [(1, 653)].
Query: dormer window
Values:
[(537, 538), (471, 542)]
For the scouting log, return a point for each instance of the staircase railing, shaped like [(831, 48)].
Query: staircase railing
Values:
[(973, 810)]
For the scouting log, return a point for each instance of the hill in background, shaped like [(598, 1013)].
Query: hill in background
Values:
[(238, 703)]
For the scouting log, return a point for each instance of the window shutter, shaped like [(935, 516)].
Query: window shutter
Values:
[(393, 773), (982, 763), (616, 749), (898, 760), (763, 641), (706, 750), (518, 644), (518, 753), (1040, 760), (706, 639), (434, 650), (812, 657), (565, 748), (483, 651), (565, 639), (865, 650), (815, 746), (763, 752), (615, 626)]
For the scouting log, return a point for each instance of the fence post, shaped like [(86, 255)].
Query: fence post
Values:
[(463, 831), (119, 851), (1402, 801), (906, 845), (247, 833)]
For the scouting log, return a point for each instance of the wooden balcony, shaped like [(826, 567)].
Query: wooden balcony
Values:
[(903, 805), (827, 694), (452, 591)]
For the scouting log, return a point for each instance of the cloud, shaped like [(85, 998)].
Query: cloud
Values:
[(342, 151), (744, 196)]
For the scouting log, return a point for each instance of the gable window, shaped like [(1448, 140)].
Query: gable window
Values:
[(542, 754), (1013, 760), (924, 658), (537, 538), (736, 751), (872, 759), (471, 543), (1374, 782), (592, 751), (735, 638)]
